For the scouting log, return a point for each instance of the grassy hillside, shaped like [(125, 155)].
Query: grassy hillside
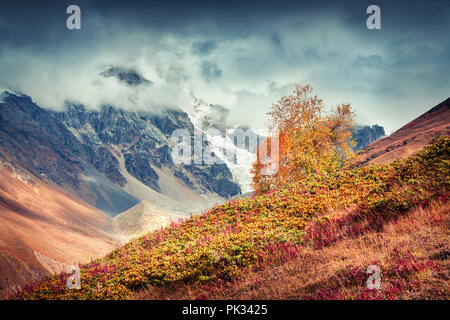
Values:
[(411, 252), (316, 237)]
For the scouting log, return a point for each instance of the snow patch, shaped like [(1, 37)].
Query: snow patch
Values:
[(221, 145)]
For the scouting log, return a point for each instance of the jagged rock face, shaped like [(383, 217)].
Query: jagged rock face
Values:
[(80, 149), (143, 138), (32, 138), (38, 142), (216, 177), (138, 166), (104, 161), (129, 76), (170, 121), (365, 135)]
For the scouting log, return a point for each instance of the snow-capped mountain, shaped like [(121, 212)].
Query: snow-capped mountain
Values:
[(212, 116), (112, 158)]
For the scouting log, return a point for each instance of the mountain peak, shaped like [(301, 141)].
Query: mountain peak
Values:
[(129, 76)]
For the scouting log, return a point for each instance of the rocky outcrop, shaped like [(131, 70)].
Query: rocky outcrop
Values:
[(80, 149), (129, 76), (144, 140), (216, 177), (365, 135), (41, 144)]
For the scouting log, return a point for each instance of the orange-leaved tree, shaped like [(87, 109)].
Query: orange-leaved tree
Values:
[(310, 140)]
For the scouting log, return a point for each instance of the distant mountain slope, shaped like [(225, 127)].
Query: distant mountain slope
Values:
[(140, 143), (111, 158), (36, 141), (42, 229), (55, 165), (214, 117), (409, 138), (140, 219)]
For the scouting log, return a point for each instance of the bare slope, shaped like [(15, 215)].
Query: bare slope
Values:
[(42, 229), (410, 138), (140, 219)]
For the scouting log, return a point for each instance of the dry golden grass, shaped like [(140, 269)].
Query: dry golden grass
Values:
[(422, 233)]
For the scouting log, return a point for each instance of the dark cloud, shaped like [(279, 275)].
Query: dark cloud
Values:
[(400, 70), (275, 39), (312, 53), (204, 47), (210, 70), (373, 61)]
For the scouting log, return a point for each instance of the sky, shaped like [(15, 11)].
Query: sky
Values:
[(244, 55)]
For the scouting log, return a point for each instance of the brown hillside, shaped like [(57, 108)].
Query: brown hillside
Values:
[(410, 138), (42, 229)]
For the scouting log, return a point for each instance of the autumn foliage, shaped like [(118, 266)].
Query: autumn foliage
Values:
[(310, 140), (331, 214)]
